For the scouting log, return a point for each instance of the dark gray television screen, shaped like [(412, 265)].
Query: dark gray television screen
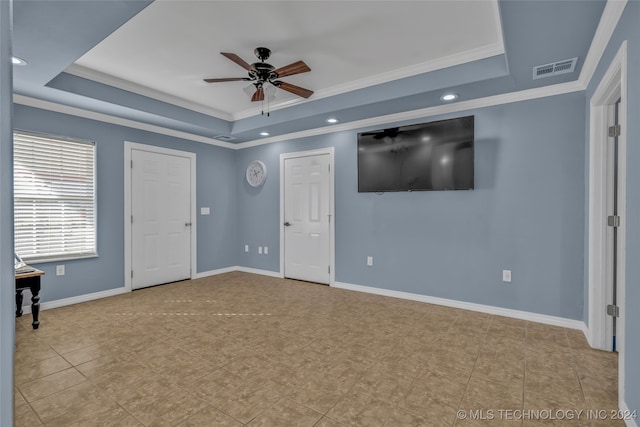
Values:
[(428, 156)]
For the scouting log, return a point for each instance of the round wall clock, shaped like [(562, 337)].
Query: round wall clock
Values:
[(256, 173)]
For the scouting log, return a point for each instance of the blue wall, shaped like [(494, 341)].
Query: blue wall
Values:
[(526, 214), (216, 188), (628, 29)]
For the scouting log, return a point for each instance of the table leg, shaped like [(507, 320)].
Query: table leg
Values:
[(19, 303), (35, 305)]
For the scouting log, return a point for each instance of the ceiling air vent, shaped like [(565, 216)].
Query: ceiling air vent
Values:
[(225, 138), (555, 68)]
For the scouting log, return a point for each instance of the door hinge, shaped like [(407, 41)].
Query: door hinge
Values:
[(613, 310), (329, 269), (614, 131), (131, 164), (132, 274), (131, 219), (613, 221)]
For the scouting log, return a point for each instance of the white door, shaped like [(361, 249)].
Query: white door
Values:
[(161, 224), (307, 240)]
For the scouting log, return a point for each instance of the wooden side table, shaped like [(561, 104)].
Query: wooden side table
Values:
[(29, 280)]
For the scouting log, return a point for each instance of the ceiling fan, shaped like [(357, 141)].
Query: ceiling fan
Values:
[(261, 73)]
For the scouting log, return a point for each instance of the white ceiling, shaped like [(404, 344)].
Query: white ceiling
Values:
[(168, 48)]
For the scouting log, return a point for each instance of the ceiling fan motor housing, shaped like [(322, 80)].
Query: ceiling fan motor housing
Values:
[(263, 71)]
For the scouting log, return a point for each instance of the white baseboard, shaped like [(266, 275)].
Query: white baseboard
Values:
[(516, 314), (214, 272), (239, 268), (499, 311), (261, 272), (26, 309)]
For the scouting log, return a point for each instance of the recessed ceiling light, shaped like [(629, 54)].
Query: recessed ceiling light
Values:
[(264, 133), (18, 61), (449, 96), (332, 120)]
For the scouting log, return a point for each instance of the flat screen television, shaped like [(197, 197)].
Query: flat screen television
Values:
[(428, 156)]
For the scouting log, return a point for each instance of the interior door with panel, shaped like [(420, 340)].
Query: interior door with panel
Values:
[(160, 220), (307, 218)]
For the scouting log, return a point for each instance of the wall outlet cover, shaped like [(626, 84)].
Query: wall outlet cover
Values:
[(506, 276)]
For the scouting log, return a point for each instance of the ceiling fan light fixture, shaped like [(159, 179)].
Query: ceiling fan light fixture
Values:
[(448, 97)]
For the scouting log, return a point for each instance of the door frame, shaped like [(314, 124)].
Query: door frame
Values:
[(612, 87), (332, 228), (128, 149)]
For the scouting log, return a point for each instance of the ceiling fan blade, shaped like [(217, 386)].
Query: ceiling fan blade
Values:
[(291, 69), (258, 95), (296, 90), (228, 79), (235, 58)]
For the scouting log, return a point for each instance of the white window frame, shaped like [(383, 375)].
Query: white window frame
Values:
[(54, 246)]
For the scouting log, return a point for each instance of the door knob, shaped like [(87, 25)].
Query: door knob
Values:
[(287, 224)]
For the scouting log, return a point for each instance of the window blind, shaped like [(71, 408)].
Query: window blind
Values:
[(54, 198)]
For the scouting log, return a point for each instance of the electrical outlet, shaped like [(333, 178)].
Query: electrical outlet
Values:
[(369, 261), (506, 276), (246, 248), (60, 270), (205, 211)]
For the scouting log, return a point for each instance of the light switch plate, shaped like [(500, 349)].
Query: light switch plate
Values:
[(205, 211), (506, 276)]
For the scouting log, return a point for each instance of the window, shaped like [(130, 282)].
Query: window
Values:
[(54, 198)]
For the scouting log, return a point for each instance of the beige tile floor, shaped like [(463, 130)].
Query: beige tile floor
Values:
[(240, 349)]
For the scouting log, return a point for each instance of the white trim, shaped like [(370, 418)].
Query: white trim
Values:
[(332, 227), (109, 80), (412, 70), (107, 118), (128, 148), (612, 86), (607, 25), (26, 309), (498, 311), (276, 274), (215, 272), (608, 21), (490, 101), (409, 71)]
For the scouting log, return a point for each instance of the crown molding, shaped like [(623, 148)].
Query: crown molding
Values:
[(489, 101), (608, 22), (107, 118), (109, 80), (400, 73), (417, 69)]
